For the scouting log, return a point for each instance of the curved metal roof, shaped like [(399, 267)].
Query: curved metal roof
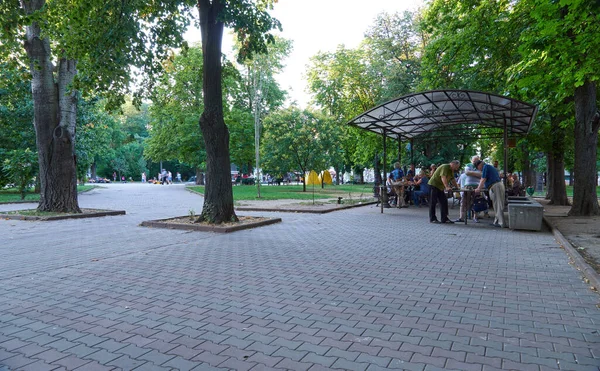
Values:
[(457, 111)]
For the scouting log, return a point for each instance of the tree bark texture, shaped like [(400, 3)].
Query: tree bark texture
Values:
[(54, 121), (557, 190), (587, 123), (218, 195), (528, 176), (549, 174)]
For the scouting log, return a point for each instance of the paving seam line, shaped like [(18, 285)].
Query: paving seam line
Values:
[(585, 268)]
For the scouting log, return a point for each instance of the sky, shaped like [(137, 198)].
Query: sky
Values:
[(319, 26)]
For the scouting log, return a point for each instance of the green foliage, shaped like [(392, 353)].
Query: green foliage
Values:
[(16, 111), (251, 23), (177, 101), (20, 167), (296, 140), (559, 45), (95, 129), (105, 37)]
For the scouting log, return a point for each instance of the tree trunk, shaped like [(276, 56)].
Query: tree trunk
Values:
[(528, 176), (587, 122), (550, 173), (218, 193), (557, 190), (93, 170), (377, 172), (54, 121)]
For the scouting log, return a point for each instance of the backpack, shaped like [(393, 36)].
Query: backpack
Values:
[(480, 204)]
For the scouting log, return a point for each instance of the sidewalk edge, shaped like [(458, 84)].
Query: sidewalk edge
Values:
[(587, 271)]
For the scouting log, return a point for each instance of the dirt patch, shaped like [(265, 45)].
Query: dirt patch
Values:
[(300, 206), (582, 233), (190, 224)]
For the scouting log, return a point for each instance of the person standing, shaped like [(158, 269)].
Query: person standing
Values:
[(491, 180), (471, 181), (163, 177), (144, 177), (442, 180)]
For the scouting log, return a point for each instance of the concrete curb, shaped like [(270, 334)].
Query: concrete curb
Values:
[(580, 263), (62, 217), (307, 211)]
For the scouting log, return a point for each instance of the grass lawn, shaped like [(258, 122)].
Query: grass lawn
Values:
[(12, 194), (294, 192), (569, 192)]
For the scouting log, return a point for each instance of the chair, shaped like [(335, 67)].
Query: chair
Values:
[(455, 196)]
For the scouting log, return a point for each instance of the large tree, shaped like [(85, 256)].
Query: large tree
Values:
[(252, 24), (80, 44), (563, 37)]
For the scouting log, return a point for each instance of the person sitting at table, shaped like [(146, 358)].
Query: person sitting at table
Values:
[(442, 180), (410, 174), (516, 188), (423, 189), (392, 198), (432, 169), (397, 173)]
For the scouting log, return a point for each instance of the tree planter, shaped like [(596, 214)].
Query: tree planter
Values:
[(184, 223)]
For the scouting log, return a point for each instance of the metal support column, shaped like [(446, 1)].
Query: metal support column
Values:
[(412, 154), (399, 149), (383, 190), (505, 151)]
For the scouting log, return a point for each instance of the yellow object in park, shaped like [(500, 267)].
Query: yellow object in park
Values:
[(312, 178), (327, 177)]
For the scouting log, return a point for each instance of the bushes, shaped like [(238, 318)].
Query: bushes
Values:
[(20, 167)]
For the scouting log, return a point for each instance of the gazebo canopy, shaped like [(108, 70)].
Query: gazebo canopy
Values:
[(454, 112)]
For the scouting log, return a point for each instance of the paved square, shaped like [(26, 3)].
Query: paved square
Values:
[(352, 290)]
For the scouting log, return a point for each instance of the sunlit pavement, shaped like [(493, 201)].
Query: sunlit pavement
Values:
[(352, 289)]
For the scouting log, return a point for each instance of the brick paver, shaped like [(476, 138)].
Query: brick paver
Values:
[(352, 289)]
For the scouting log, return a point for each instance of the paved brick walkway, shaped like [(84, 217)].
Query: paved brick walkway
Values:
[(352, 290)]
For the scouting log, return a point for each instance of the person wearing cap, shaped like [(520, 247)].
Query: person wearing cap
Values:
[(490, 179), (442, 180)]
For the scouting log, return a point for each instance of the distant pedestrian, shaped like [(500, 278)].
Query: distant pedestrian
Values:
[(144, 177), (178, 177), (164, 177)]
